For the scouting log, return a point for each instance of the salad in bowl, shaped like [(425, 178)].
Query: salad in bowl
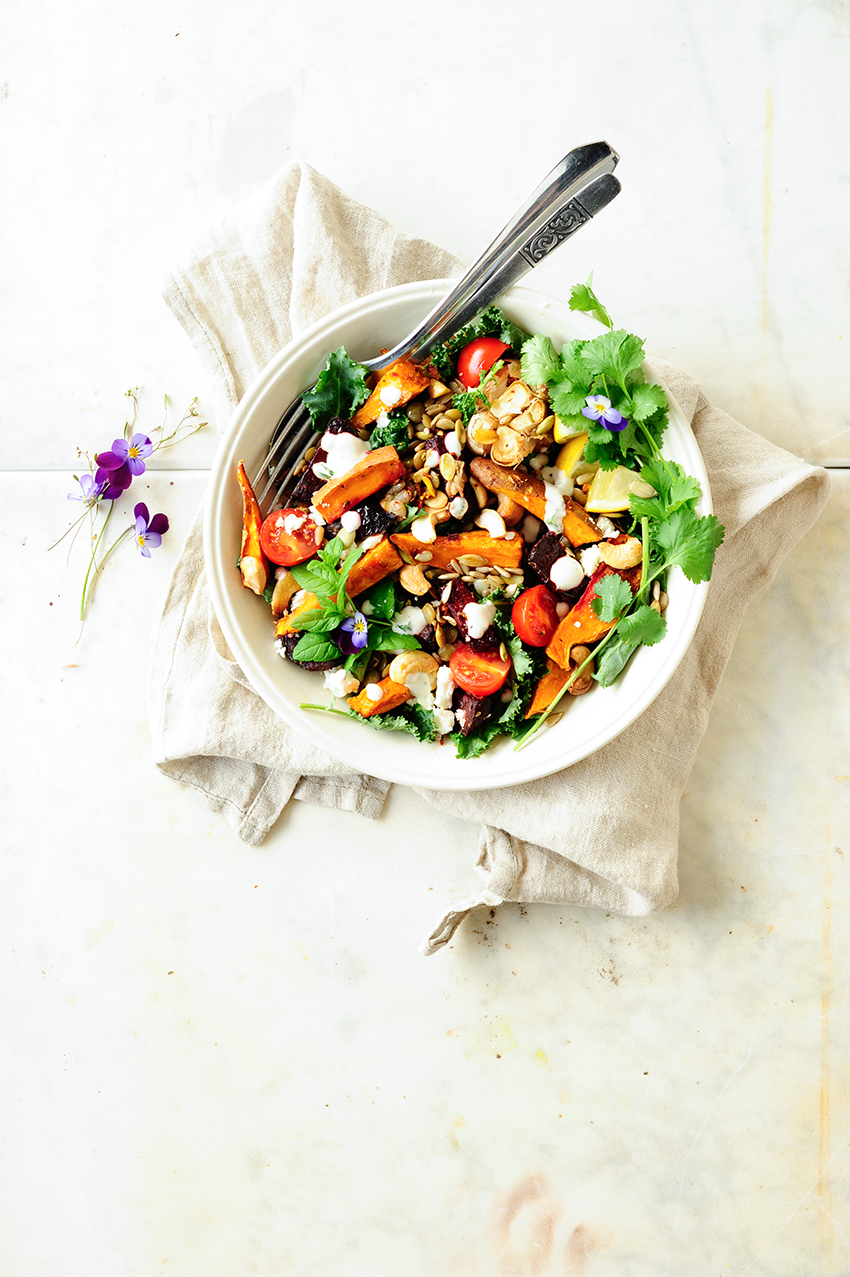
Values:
[(476, 543)]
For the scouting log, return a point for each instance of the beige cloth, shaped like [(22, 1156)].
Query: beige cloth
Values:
[(603, 832)]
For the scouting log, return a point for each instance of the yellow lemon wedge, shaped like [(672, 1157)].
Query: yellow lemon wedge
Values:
[(610, 489), (563, 431), (571, 453)]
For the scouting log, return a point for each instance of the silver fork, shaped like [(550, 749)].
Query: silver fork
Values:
[(575, 190)]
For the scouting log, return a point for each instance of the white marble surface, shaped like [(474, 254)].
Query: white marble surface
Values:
[(219, 1060)]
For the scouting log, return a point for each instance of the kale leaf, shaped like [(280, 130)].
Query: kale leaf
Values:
[(340, 389)]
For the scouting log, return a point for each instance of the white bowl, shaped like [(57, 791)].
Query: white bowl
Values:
[(590, 721)]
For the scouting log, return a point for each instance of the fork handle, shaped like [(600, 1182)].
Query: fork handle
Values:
[(575, 190)]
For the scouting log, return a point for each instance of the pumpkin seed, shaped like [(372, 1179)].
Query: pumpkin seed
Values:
[(448, 465)]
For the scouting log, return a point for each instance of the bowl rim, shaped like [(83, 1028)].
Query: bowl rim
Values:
[(329, 732)]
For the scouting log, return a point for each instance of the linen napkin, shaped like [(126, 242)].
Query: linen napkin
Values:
[(603, 832)]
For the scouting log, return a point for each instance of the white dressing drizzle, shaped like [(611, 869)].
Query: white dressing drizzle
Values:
[(479, 618), (344, 451)]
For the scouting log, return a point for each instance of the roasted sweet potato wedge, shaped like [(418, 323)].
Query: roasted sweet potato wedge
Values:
[(375, 471), (581, 624), (253, 564), (392, 695), (289, 624), (530, 492), (375, 564), (508, 554), (402, 380), (548, 689)]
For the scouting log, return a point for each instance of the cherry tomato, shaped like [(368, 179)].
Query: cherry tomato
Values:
[(480, 673), (535, 616), (478, 357), (290, 536)]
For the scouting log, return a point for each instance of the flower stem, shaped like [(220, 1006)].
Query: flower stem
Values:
[(88, 589)]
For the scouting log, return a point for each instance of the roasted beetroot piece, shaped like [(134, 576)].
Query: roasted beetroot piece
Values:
[(546, 551), (470, 710), (310, 482), (374, 519), (287, 643), (460, 595), (428, 640)]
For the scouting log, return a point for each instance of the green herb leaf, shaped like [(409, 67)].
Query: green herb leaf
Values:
[(612, 596), (568, 399), (582, 297), (320, 620), (382, 600), (613, 659), (314, 647), (644, 625), (386, 640), (340, 389), (613, 355), (540, 362), (691, 542), (646, 401)]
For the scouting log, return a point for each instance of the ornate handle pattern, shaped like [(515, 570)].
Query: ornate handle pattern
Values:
[(564, 224)]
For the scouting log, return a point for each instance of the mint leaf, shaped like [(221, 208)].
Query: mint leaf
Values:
[(647, 400), (540, 363), (612, 595), (386, 640), (314, 647), (582, 297), (340, 389), (613, 355), (691, 542), (319, 620), (382, 600)]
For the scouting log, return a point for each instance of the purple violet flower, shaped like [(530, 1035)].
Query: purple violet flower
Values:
[(90, 491), (127, 454), (599, 409), (119, 467), (148, 531), (352, 634)]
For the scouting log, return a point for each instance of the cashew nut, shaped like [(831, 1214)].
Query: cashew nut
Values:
[(625, 554), (510, 511), (285, 587), (413, 579), (407, 663), (584, 682)]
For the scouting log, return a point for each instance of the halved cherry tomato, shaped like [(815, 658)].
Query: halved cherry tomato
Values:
[(535, 616), (480, 673), (478, 357), (290, 536)]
